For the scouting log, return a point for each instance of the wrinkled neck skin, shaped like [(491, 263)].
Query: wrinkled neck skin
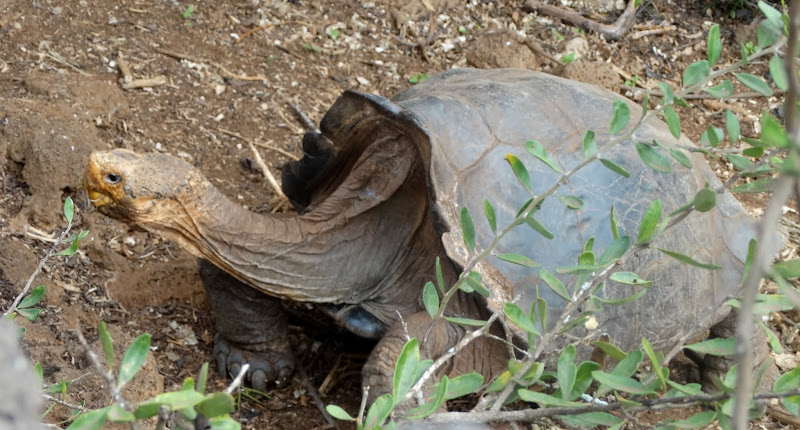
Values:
[(379, 258)]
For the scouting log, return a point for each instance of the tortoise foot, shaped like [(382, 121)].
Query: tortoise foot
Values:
[(268, 363)]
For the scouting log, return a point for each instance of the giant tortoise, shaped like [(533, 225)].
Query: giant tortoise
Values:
[(379, 193)]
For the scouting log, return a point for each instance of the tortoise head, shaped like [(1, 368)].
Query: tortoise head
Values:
[(142, 189)]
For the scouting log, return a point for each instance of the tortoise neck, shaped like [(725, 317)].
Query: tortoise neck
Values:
[(285, 256)]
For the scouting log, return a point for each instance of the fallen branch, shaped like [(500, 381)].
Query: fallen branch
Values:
[(222, 70), (613, 31), (530, 415), (129, 83), (260, 161)]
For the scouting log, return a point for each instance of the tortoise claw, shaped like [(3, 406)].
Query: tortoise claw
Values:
[(266, 365)]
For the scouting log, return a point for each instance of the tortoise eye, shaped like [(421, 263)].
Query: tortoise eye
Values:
[(113, 178)]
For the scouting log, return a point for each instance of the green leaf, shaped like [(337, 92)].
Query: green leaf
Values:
[(688, 389), (621, 383), (544, 399), (695, 73), (592, 419), (705, 200), (339, 413), (33, 298), (488, 209), (655, 363), (430, 298), (572, 202), (515, 314), (467, 229), (91, 420), (626, 367), (722, 90), (673, 121), (517, 259), (405, 371), (689, 260), (778, 72), (732, 125), (616, 168), (466, 321), (740, 163), (653, 158), (71, 250), (711, 136), (379, 411), (789, 269), (30, 314), (754, 83), (681, 158), (426, 409), (714, 45), (669, 96), (583, 269), (772, 132), (499, 382), (463, 385), (610, 350), (567, 370), (629, 278), (108, 345), (758, 186), (440, 276), (773, 15), (717, 346), (554, 284), (697, 420), (69, 209), (583, 379), (175, 400), (133, 359), (538, 227), (788, 381), (537, 150), (614, 227), (475, 283), (589, 146), (224, 422), (649, 222), (541, 305), (520, 171), (219, 403), (767, 34), (118, 415), (615, 250), (620, 116), (202, 379)]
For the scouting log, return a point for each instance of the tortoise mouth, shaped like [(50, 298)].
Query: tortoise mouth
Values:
[(99, 199)]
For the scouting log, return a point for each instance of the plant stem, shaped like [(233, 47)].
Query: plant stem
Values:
[(763, 253), (38, 270)]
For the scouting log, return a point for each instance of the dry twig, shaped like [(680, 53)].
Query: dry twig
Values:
[(611, 31)]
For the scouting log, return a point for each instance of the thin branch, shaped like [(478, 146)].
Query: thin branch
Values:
[(762, 257), (239, 378), (38, 270), (50, 398), (611, 31), (530, 415)]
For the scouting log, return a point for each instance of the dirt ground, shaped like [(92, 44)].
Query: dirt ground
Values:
[(228, 68)]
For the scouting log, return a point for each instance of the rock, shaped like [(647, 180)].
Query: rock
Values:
[(499, 49), (594, 72)]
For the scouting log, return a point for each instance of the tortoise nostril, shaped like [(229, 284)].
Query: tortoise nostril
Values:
[(112, 178)]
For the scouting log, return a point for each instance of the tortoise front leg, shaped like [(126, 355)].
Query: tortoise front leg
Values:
[(251, 328), (483, 355)]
